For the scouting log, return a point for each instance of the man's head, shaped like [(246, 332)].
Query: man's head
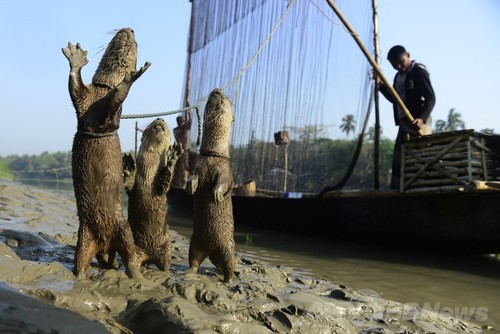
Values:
[(399, 58)]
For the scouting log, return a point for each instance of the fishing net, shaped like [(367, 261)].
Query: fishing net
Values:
[(286, 66)]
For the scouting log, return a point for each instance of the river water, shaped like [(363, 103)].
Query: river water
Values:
[(467, 287)]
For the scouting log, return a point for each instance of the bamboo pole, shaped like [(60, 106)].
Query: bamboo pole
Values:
[(135, 142), (373, 63), (183, 162), (187, 90), (286, 168), (376, 140), (186, 145)]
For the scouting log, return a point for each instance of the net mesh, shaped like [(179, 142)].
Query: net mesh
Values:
[(285, 66)]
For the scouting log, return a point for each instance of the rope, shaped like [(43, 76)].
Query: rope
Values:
[(259, 50), (342, 182), (324, 14), (252, 60), (166, 113), (279, 55), (237, 79), (199, 126)]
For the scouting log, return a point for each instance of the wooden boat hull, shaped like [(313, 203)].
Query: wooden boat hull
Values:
[(452, 221)]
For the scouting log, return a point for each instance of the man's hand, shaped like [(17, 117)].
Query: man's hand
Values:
[(417, 124)]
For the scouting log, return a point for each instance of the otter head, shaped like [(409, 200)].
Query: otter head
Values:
[(217, 122), (156, 137), (119, 59)]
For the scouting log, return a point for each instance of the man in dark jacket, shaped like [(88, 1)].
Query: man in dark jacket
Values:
[(413, 85)]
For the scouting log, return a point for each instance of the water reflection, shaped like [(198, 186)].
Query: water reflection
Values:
[(65, 186), (466, 286)]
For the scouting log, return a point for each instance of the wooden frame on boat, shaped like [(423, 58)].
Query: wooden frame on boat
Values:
[(449, 161)]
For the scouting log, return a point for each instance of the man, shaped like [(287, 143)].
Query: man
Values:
[(181, 135), (413, 85)]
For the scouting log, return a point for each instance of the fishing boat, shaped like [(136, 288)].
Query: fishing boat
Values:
[(443, 203), (284, 65)]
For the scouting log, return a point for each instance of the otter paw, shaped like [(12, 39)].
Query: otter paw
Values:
[(129, 168), (133, 272), (137, 74), (192, 270), (76, 55), (129, 165), (192, 184), (176, 151), (80, 274), (219, 191)]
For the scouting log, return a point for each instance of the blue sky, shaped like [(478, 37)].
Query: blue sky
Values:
[(458, 40)]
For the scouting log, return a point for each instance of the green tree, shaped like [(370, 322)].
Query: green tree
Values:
[(5, 172), (314, 162), (370, 134), (454, 122), (46, 166), (308, 132), (348, 124), (488, 131), (440, 126)]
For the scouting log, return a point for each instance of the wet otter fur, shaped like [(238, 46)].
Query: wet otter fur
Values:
[(96, 153), (147, 183), (211, 184)]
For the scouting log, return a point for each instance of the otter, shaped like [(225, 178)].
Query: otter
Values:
[(96, 153), (147, 182), (211, 185)]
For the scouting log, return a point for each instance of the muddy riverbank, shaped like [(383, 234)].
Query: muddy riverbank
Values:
[(37, 239)]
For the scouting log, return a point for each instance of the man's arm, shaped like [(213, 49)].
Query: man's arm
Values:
[(385, 91), (426, 91)]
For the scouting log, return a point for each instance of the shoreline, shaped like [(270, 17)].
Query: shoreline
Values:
[(37, 238)]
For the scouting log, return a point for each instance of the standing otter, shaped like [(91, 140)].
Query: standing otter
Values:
[(147, 184), (96, 153), (211, 183)]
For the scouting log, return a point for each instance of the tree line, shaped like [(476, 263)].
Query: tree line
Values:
[(313, 160), (46, 167), (310, 160), (453, 122), (312, 166)]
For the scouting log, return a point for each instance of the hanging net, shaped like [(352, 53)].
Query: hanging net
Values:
[(288, 67)]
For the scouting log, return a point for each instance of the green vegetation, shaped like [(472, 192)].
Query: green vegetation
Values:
[(5, 172), (314, 162), (348, 124), (454, 122), (45, 168)]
